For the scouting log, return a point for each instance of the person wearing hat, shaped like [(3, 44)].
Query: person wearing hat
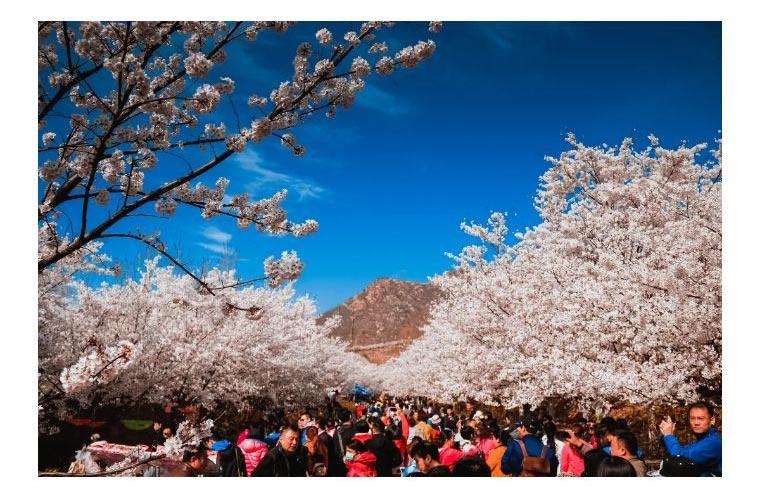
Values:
[(526, 440), (707, 450)]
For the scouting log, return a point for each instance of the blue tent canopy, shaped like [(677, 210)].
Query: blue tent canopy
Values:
[(362, 392)]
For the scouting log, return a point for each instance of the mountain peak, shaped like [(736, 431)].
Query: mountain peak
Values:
[(381, 321)]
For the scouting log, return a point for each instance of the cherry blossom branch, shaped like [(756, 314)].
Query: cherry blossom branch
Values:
[(105, 474), (156, 246), (97, 374)]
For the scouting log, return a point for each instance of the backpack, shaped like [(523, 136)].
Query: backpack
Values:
[(534, 466)]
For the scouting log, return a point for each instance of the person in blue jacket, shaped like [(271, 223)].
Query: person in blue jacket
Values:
[(527, 431), (706, 451)]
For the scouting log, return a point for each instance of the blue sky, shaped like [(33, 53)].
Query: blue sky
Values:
[(462, 135)]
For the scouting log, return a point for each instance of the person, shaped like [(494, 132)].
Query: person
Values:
[(471, 466), (304, 420), (244, 434), (421, 427), (403, 422), (394, 435), (449, 420), (332, 396), (316, 453), (527, 455), (157, 435), (253, 448), (591, 461), (571, 459), (553, 438), (411, 465), (194, 463), (344, 432), (469, 408), (286, 459), (493, 460), (625, 445), (706, 451), (427, 460), (614, 466), (230, 458), (466, 434), (449, 454), (326, 438), (359, 461), (384, 450), (362, 431), (435, 433), (486, 440), (490, 422)]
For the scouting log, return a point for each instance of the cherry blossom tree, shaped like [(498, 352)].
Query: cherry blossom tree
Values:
[(119, 99), (615, 295), (159, 339)]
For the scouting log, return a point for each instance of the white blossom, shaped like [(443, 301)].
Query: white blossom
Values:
[(352, 38), (197, 65), (324, 36), (205, 99), (287, 268), (435, 26), (384, 66), (360, 67)]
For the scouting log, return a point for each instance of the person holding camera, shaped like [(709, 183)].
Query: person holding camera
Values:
[(707, 450)]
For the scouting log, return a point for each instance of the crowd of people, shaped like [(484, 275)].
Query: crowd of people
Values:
[(404, 438)]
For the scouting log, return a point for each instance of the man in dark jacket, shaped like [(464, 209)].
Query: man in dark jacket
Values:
[(449, 420), (527, 432), (335, 466), (286, 459), (384, 449), (427, 459), (346, 431)]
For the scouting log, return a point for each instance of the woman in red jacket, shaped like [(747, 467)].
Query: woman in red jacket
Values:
[(360, 462)]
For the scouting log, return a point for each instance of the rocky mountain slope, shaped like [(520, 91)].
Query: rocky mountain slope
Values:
[(384, 318)]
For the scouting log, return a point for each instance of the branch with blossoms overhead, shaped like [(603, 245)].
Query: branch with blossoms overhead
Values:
[(117, 99)]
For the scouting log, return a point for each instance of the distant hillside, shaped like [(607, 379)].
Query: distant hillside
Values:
[(381, 321)]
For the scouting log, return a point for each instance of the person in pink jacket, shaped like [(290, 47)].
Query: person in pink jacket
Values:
[(254, 451), (486, 441), (571, 460)]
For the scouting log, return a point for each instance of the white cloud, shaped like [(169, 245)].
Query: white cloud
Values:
[(218, 241), (217, 235), (215, 247), (251, 161)]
